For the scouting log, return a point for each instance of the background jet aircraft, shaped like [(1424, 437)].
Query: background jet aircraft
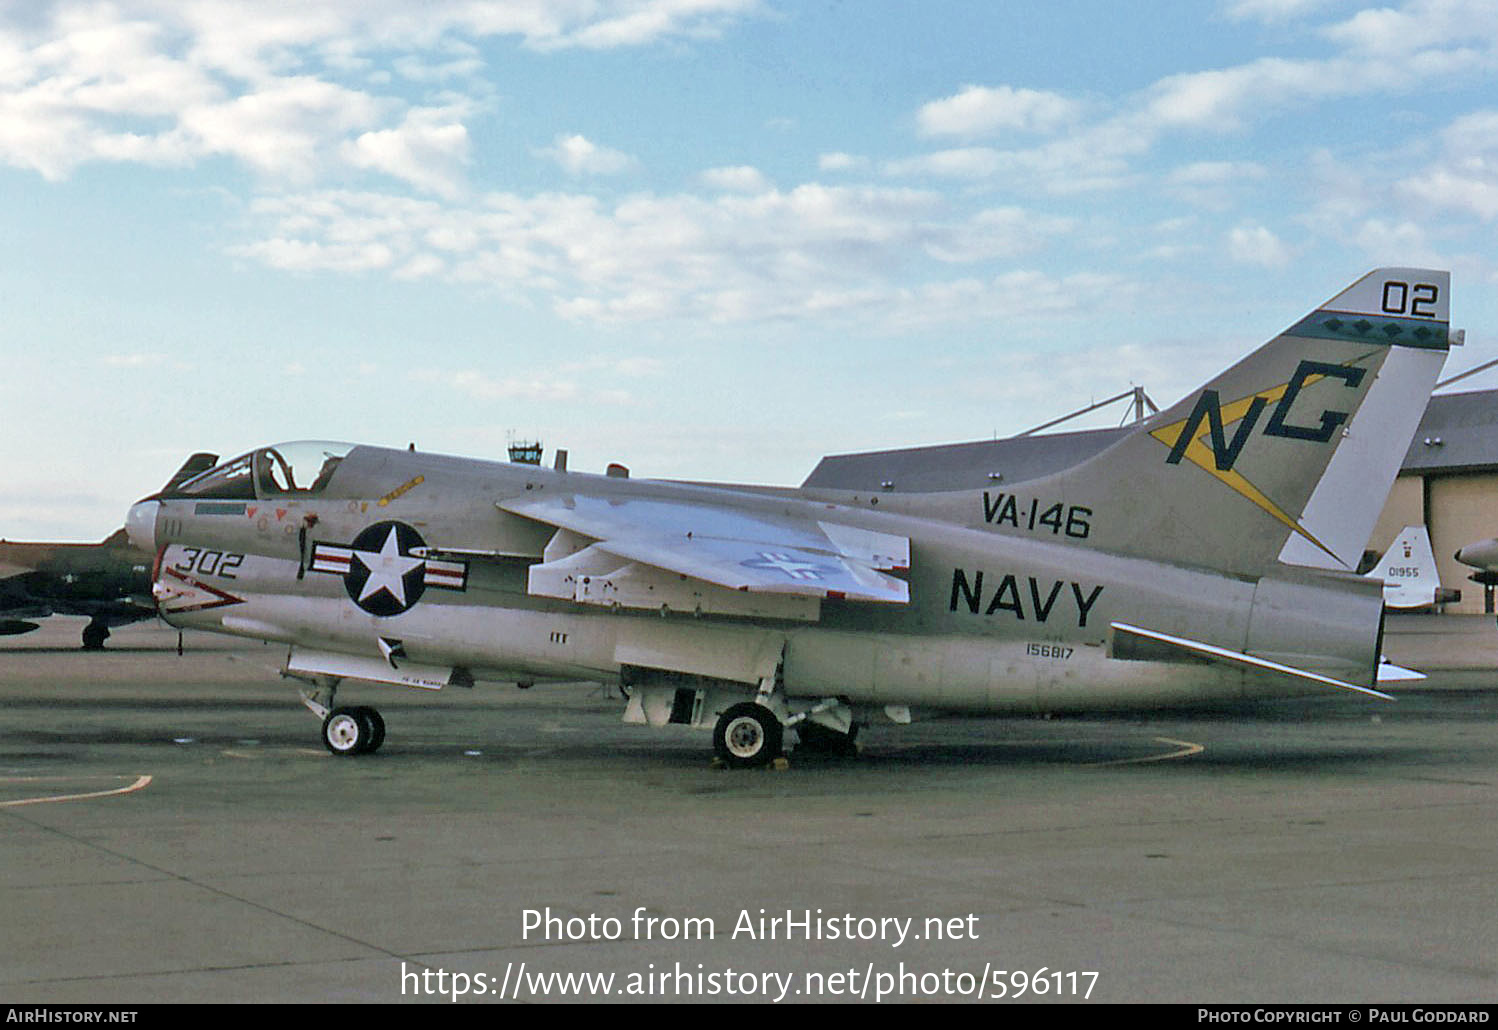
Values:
[(1482, 556), (1409, 575), (108, 582), (1207, 556)]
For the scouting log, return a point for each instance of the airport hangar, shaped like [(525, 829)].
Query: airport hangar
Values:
[(1449, 479)]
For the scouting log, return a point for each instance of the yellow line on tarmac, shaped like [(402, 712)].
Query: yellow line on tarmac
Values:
[(1185, 749), (140, 783)]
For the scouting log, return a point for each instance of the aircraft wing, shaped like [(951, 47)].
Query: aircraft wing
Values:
[(635, 552), (11, 568)]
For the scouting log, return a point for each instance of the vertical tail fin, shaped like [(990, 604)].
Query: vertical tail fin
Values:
[(1409, 574), (202, 461), (1289, 454)]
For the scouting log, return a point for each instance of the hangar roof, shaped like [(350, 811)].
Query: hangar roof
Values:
[(1461, 430), (1459, 433), (960, 466)]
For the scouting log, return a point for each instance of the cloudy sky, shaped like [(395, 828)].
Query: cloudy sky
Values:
[(709, 239)]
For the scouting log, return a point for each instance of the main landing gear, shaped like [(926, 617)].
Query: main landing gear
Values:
[(748, 735), (818, 739), (94, 635)]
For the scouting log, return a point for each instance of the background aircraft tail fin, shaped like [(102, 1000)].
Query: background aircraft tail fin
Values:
[(202, 461), (1409, 574), (1288, 455)]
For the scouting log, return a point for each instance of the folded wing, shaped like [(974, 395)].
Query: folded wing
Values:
[(680, 555)]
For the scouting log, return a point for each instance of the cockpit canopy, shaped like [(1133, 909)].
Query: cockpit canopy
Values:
[(300, 469)]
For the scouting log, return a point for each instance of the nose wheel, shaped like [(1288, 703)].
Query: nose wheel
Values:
[(353, 731), (94, 635), (748, 736)]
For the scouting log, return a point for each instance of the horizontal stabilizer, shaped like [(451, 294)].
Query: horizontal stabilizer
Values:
[(1132, 642), (1388, 672)]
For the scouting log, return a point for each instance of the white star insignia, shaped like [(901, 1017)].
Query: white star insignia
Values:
[(387, 570)]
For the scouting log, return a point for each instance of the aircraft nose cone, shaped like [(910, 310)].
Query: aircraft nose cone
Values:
[(140, 525), (1481, 555)]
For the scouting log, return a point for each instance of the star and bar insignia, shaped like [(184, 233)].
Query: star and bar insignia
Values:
[(385, 570)]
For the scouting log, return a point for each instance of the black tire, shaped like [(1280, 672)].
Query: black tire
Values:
[(347, 732), (818, 739), (748, 736), (376, 728), (94, 635)]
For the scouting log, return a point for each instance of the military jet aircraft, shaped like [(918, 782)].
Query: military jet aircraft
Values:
[(1205, 557), (1409, 574), (1482, 556), (108, 582)]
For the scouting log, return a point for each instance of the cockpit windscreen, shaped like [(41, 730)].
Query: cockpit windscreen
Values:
[(300, 469)]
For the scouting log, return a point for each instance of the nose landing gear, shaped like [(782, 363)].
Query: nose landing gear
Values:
[(353, 731)]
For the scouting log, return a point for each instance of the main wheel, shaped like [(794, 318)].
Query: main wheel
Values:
[(815, 738), (748, 735), (349, 731), (94, 635)]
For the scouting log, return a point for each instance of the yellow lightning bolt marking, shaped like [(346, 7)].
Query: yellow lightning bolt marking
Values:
[(1200, 454)]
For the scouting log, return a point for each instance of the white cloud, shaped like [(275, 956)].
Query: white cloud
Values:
[(738, 179), (1467, 178), (999, 232), (1476, 194), (1376, 52), (1215, 173), (1084, 161), (1419, 25), (1214, 185), (813, 252), (489, 388), (1221, 99), (840, 162), (1395, 242), (1256, 245), (288, 128), (1382, 50), (960, 163), (309, 255), (634, 367), (559, 389), (1275, 11), (648, 22), (421, 266), (985, 110), (578, 155), (166, 82), (429, 150), (134, 360)]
